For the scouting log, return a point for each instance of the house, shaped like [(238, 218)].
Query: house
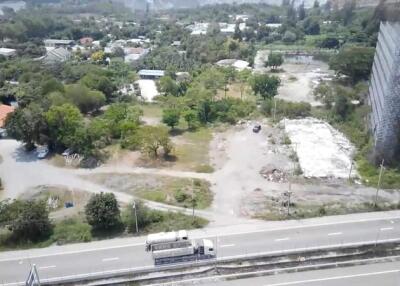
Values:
[(4, 111), (198, 29), (57, 55), (151, 74), (86, 41), (273, 26), (176, 43), (238, 65), (134, 54), (227, 29), (55, 43), (7, 52)]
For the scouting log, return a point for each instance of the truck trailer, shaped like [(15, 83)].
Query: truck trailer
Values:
[(173, 248)]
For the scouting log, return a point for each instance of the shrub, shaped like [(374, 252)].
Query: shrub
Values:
[(180, 196), (72, 230), (286, 109), (102, 211)]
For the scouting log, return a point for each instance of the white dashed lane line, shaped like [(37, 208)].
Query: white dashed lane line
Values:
[(386, 228), (334, 233), (227, 245), (110, 259), (282, 239)]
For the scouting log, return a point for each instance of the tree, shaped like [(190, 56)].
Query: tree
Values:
[(243, 77), (311, 26), (63, 122), (329, 43), (102, 211), (99, 82), (301, 12), (342, 107), (191, 118), (153, 138), (274, 60), (29, 220), (265, 85), (354, 62), (85, 99), (98, 56), (289, 37), (171, 117), (27, 125), (168, 86)]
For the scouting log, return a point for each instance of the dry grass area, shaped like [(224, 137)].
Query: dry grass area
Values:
[(163, 189), (56, 197), (234, 90), (192, 151)]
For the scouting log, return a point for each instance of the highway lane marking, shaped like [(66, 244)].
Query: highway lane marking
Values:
[(275, 271), (334, 233), (282, 239), (391, 221), (124, 270), (227, 245), (110, 259), (46, 267), (386, 228), (205, 236), (334, 278)]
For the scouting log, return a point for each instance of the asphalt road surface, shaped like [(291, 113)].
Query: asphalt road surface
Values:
[(382, 274), (63, 263)]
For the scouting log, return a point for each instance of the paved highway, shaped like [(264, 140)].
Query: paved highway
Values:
[(67, 261), (382, 274)]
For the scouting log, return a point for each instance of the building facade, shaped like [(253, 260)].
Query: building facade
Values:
[(384, 92)]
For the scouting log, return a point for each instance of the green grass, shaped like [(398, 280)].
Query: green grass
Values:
[(151, 110), (71, 230), (173, 221), (192, 149)]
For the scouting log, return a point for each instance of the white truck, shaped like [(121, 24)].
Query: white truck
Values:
[(172, 247)]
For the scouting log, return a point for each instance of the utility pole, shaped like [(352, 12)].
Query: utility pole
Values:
[(288, 194), (274, 108), (193, 202), (351, 169), (379, 184), (134, 209)]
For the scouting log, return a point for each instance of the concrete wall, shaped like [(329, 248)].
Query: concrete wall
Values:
[(384, 92)]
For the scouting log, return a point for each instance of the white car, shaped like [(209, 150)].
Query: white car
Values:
[(67, 152), (42, 152)]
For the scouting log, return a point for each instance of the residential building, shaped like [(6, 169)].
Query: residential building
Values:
[(384, 92), (55, 43), (57, 55), (4, 111), (134, 54), (151, 74)]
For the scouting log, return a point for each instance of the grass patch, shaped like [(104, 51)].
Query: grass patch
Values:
[(192, 148), (204, 168), (151, 110), (370, 174), (164, 189), (150, 221), (72, 230)]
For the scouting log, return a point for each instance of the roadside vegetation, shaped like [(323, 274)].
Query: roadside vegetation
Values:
[(27, 223), (182, 192)]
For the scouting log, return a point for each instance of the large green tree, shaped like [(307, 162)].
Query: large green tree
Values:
[(27, 125), (274, 61), (102, 211), (29, 220), (64, 121), (264, 85), (354, 62)]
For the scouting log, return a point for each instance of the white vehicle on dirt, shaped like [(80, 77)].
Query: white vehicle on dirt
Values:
[(172, 247)]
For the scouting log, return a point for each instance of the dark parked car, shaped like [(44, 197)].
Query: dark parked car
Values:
[(256, 128)]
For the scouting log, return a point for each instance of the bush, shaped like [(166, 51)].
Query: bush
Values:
[(72, 230), (180, 196), (286, 109)]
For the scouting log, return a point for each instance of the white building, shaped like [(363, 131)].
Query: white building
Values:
[(7, 52)]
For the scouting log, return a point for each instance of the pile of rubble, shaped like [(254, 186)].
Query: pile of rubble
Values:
[(273, 174)]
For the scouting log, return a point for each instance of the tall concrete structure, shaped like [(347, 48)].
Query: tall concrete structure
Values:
[(384, 92)]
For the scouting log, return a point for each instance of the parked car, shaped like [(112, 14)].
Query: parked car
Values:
[(68, 152), (42, 152), (256, 128)]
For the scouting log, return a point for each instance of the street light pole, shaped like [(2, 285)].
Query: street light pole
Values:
[(134, 209), (379, 183)]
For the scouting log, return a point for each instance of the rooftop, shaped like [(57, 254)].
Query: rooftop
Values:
[(4, 111), (159, 73)]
